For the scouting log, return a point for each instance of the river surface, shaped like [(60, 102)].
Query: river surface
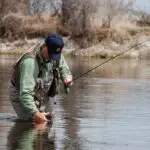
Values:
[(107, 109)]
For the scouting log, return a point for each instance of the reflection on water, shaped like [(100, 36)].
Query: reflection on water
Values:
[(106, 109), (25, 136)]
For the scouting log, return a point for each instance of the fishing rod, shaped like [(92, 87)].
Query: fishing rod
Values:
[(110, 59)]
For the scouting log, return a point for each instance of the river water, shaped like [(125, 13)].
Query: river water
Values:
[(107, 109)]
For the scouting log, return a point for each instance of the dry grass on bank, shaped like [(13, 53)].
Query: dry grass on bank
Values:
[(119, 31), (15, 26)]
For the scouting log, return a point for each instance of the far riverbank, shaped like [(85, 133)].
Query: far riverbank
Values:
[(105, 49)]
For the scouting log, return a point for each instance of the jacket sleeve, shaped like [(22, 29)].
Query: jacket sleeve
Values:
[(28, 75), (64, 69)]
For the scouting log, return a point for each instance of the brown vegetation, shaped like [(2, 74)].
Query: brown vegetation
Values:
[(144, 19), (90, 22), (85, 21), (15, 26)]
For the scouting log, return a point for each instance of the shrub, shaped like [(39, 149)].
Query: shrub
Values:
[(144, 19), (90, 22)]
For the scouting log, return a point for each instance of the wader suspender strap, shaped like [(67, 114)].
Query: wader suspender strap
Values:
[(53, 90), (56, 73)]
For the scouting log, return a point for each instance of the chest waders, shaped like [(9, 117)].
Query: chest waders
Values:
[(53, 88)]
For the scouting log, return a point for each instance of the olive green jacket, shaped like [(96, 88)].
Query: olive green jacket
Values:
[(30, 72)]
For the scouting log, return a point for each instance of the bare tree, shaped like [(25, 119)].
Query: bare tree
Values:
[(3, 4), (76, 13), (116, 8), (36, 6)]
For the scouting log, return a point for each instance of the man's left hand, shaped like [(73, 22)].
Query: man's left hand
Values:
[(68, 83)]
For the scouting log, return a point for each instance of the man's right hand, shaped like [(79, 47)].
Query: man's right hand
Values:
[(39, 117)]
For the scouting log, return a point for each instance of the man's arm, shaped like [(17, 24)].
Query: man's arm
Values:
[(28, 75)]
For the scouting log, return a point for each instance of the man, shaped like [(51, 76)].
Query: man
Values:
[(32, 66)]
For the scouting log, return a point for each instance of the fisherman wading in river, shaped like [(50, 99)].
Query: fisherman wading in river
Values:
[(35, 78)]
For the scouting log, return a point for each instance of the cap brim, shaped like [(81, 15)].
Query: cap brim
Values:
[(56, 56)]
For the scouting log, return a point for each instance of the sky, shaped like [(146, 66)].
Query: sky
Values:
[(143, 4)]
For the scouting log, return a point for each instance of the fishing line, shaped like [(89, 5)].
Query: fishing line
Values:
[(112, 58)]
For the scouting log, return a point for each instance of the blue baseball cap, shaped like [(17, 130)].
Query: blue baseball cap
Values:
[(55, 44)]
